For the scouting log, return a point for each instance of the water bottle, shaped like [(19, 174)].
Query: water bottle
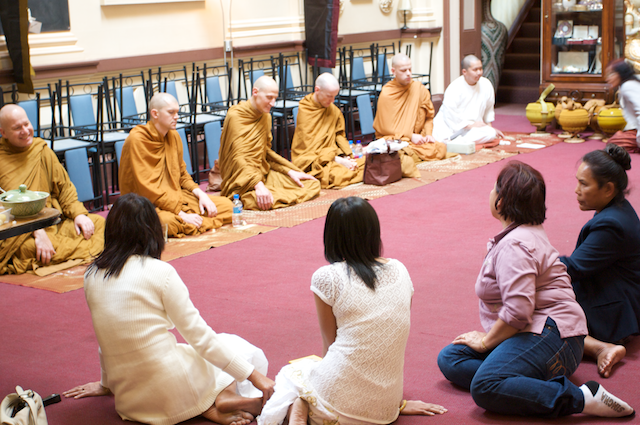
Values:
[(237, 211), (351, 147), (358, 152)]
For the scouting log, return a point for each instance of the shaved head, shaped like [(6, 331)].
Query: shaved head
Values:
[(327, 81), (468, 61), (265, 83), (161, 100), (399, 60), (15, 126)]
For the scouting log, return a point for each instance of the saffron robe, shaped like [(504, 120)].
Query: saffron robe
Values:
[(38, 167), (463, 105), (403, 111), (319, 138), (246, 158), (152, 166)]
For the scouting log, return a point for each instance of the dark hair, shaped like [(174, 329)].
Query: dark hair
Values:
[(132, 228), (352, 234), (623, 69), (522, 191), (610, 165)]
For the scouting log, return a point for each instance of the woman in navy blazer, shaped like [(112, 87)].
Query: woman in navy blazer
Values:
[(605, 266)]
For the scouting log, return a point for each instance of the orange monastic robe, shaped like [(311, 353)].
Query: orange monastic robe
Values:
[(38, 167), (318, 139), (403, 111), (246, 158), (152, 166)]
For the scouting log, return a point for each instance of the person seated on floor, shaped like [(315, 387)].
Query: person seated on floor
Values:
[(320, 147), (363, 301), (405, 112), (30, 161), (467, 112), (135, 300), (605, 266), (152, 166), (249, 167), (620, 73), (534, 328)]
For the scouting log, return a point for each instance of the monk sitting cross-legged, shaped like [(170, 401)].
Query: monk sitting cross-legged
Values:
[(320, 147), (249, 167), (152, 166), (28, 160), (405, 112)]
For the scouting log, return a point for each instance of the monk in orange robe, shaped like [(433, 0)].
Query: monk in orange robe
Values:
[(28, 160), (249, 167), (152, 166), (405, 112), (320, 147)]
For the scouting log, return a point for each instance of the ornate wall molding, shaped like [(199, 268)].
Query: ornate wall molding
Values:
[(50, 43), (385, 5), (127, 2), (261, 27)]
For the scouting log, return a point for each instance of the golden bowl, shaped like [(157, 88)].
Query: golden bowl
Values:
[(574, 121), (538, 119), (611, 120)]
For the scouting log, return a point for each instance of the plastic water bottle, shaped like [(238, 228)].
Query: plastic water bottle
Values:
[(351, 147), (358, 152), (237, 211)]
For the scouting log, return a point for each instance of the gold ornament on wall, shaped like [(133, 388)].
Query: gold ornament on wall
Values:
[(385, 5), (632, 45)]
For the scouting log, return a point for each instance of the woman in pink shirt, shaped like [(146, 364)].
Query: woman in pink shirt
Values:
[(534, 329)]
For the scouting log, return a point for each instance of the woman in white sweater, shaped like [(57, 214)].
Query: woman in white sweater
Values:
[(620, 73), (135, 299), (363, 303)]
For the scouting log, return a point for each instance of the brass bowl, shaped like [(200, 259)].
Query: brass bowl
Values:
[(23, 202), (535, 116), (611, 120)]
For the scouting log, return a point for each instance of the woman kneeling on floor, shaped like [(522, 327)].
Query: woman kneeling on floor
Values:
[(534, 327), (363, 303), (135, 299), (605, 266)]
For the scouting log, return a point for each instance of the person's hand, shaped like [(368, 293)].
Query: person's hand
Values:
[(499, 133), (351, 164), (85, 225), (417, 407), (262, 383), (92, 389), (194, 219), (264, 197), (472, 340), (297, 176), (429, 139), (418, 139), (44, 247), (205, 203)]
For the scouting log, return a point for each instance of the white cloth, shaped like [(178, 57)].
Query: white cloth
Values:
[(380, 146), (463, 105), (630, 102), (361, 377), (154, 379)]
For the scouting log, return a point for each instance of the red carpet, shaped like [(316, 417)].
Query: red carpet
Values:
[(259, 289)]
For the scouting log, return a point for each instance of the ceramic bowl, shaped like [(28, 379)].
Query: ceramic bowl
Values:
[(611, 120), (574, 121), (535, 116), (23, 202)]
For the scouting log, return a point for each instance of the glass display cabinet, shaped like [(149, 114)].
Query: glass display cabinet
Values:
[(580, 38)]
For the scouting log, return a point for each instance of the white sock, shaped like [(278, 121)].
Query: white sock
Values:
[(600, 402)]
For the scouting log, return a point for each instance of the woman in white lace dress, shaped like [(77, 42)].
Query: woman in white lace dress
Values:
[(363, 303)]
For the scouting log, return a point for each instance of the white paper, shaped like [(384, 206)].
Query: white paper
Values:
[(531, 146)]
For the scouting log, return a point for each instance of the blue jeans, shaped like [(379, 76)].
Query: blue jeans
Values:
[(526, 374)]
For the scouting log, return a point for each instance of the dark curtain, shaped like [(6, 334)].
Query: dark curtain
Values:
[(15, 22), (321, 31)]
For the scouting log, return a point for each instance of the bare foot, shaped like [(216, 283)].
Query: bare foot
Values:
[(608, 356), (417, 407), (232, 418), (298, 412), (228, 401)]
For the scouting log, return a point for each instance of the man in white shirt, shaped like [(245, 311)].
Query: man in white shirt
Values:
[(466, 113)]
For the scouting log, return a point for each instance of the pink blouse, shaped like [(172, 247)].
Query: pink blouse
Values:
[(522, 282)]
